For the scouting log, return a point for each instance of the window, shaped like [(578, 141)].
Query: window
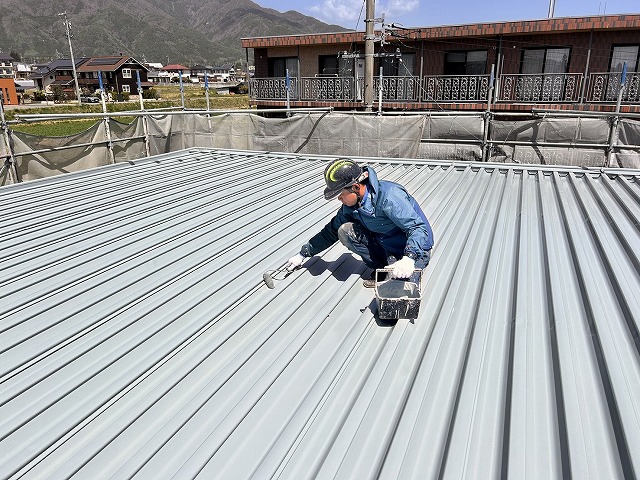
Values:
[(332, 65), (621, 54), (393, 66), (465, 63), (126, 88), (545, 60), (126, 73), (328, 65), (278, 67)]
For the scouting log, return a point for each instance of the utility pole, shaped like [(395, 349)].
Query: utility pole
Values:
[(67, 25), (369, 39), (552, 7)]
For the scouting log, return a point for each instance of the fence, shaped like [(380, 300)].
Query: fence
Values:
[(569, 88), (604, 87), (549, 88)]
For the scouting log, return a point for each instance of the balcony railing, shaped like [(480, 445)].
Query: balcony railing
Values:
[(273, 88), (456, 88), (327, 88), (540, 88), (404, 89), (604, 87), (511, 88)]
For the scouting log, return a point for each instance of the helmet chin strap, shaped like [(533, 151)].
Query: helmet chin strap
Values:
[(357, 192), (360, 180)]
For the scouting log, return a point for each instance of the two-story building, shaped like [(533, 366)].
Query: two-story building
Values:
[(119, 74), (58, 72), (567, 63), (175, 70), (6, 66)]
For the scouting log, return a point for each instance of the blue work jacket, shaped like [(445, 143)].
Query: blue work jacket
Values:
[(396, 220)]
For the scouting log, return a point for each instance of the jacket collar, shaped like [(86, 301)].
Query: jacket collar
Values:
[(373, 185)]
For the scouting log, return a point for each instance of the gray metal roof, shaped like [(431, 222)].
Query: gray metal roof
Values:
[(138, 340)]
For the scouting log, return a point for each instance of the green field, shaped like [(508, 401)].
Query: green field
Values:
[(169, 97)]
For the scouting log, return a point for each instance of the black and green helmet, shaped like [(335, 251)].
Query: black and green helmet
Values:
[(339, 174)]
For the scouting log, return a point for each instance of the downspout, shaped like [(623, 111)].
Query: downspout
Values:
[(499, 68), (298, 78), (420, 92), (586, 70)]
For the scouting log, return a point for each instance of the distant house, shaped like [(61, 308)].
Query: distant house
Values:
[(223, 73), (198, 72), (23, 86), (174, 70), (8, 90), (59, 72), (6, 66), (158, 77), (22, 70), (119, 74)]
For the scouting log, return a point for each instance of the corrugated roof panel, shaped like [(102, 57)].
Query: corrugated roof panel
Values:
[(139, 340)]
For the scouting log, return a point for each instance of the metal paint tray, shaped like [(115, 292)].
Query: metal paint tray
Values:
[(398, 298)]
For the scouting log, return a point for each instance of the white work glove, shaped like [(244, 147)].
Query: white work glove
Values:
[(403, 268), (295, 261)]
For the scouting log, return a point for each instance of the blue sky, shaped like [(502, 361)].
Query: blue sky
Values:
[(419, 13)]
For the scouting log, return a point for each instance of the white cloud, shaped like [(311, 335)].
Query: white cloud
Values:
[(338, 11), (347, 12), (395, 7)]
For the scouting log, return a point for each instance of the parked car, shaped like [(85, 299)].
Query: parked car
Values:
[(89, 99)]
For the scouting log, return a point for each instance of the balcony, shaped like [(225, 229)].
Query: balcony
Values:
[(542, 88), (555, 88), (456, 88), (604, 87)]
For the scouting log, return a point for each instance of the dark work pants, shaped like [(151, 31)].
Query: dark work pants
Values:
[(363, 243)]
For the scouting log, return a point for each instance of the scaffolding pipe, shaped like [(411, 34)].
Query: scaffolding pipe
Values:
[(8, 146), (369, 38), (613, 134), (487, 116), (66, 116), (79, 145)]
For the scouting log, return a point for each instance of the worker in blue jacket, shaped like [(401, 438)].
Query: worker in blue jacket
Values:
[(378, 220)]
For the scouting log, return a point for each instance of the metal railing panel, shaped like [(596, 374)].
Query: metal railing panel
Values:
[(456, 88), (404, 89), (327, 88), (604, 87), (543, 88), (273, 88)]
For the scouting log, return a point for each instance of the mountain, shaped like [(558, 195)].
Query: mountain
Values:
[(180, 31)]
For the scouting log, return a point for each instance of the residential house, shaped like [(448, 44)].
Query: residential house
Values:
[(565, 63), (57, 73), (223, 73), (175, 70), (198, 73), (22, 70), (119, 74), (158, 77), (8, 91), (6, 66)]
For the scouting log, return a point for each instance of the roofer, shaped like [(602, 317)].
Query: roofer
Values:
[(378, 220)]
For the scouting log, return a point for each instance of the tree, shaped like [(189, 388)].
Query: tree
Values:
[(16, 56)]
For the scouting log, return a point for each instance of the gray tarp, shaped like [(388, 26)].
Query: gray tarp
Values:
[(628, 134), (313, 134), (410, 136), (452, 128), (41, 165), (550, 130)]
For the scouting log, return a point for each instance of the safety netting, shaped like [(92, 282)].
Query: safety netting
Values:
[(577, 141)]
